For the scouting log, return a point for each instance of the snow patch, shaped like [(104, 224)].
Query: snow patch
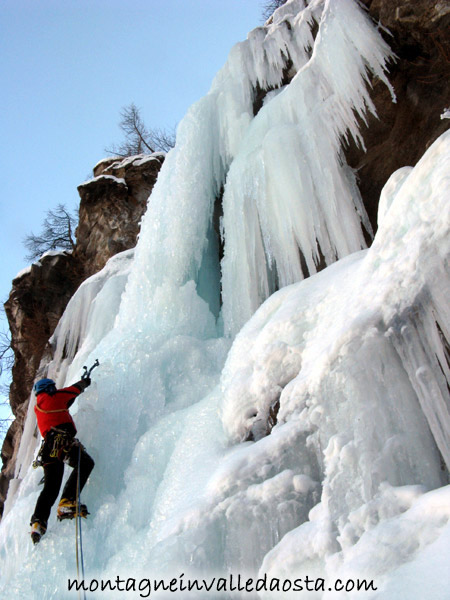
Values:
[(118, 180)]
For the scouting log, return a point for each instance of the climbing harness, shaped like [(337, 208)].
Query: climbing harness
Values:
[(62, 443), (57, 444), (87, 372)]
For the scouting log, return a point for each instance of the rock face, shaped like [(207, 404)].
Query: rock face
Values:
[(419, 37), (111, 207), (34, 307), (36, 302)]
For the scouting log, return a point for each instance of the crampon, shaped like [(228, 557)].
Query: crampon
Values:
[(69, 509), (37, 531)]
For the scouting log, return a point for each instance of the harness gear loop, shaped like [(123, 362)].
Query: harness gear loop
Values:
[(57, 444), (61, 443)]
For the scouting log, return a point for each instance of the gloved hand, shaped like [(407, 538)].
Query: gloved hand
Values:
[(83, 383)]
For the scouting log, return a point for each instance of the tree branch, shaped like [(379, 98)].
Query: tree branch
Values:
[(139, 139)]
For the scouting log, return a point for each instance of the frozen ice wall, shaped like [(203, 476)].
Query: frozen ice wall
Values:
[(274, 170), (290, 204), (352, 362), (316, 444)]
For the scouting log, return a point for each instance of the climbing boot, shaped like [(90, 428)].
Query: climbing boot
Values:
[(37, 531), (68, 509)]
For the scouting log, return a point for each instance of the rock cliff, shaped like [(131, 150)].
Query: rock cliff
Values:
[(111, 207), (108, 227)]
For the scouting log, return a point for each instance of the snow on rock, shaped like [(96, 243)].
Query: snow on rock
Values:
[(47, 254), (152, 157), (139, 159), (55, 253), (120, 163), (23, 272), (100, 178)]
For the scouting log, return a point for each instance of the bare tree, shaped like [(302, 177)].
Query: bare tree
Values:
[(139, 139), (58, 233), (270, 6), (5, 421), (6, 363), (6, 353)]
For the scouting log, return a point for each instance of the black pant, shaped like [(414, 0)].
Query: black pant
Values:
[(53, 474)]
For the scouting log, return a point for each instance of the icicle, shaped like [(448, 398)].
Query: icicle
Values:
[(287, 209)]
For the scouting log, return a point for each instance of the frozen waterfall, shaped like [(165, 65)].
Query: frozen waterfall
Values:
[(252, 416)]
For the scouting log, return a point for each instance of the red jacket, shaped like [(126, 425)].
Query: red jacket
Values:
[(52, 411)]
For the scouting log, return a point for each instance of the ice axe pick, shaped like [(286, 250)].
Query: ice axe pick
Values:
[(87, 372)]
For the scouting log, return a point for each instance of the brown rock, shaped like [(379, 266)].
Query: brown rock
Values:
[(34, 307), (419, 37), (112, 205)]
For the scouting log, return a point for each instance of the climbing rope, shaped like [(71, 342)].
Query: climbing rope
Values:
[(78, 528)]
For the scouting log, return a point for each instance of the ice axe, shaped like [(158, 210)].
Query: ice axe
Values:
[(87, 373)]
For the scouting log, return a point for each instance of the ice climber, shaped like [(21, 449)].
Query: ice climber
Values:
[(59, 446)]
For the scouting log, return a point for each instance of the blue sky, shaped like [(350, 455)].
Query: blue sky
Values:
[(68, 67)]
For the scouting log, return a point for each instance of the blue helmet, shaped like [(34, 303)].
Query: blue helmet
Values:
[(43, 384)]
